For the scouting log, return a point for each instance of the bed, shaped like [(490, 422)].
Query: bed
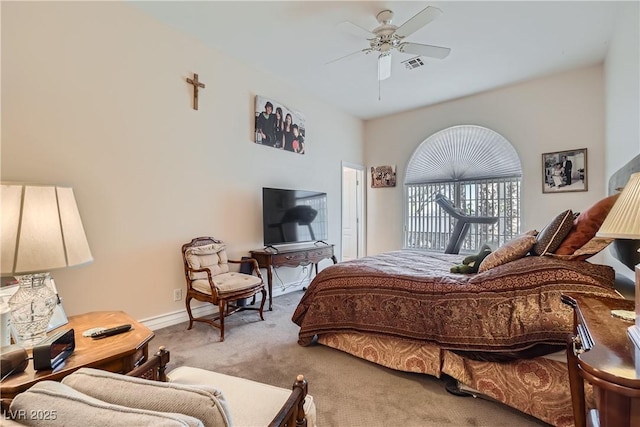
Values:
[(497, 332), (500, 333)]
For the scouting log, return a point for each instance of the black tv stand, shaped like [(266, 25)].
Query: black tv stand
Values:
[(271, 249), (321, 241)]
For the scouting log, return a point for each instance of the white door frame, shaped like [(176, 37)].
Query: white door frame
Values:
[(360, 206)]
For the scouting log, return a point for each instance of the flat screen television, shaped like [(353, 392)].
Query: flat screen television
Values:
[(293, 216)]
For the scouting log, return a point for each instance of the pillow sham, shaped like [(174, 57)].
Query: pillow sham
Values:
[(202, 402), (586, 225), (588, 250), (553, 234), (510, 251)]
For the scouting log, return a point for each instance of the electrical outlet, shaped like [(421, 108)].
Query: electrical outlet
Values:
[(177, 294)]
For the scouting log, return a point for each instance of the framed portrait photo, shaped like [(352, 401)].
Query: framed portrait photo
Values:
[(564, 171)]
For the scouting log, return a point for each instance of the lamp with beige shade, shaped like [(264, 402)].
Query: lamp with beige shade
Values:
[(623, 222), (41, 230)]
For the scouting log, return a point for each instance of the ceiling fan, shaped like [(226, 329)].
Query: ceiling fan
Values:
[(387, 37)]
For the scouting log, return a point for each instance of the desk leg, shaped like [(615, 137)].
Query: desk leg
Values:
[(270, 286), (576, 383)]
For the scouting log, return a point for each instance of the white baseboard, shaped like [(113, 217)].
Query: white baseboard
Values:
[(173, 318)]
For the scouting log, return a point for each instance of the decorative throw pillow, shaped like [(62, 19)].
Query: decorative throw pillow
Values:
[(212, 256), (586, 226), (553, 234), (588, 250), (510, 251), (202, 402), (71, 408)]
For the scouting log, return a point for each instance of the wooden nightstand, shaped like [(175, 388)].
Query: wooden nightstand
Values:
[(601, 352), (119, 353)]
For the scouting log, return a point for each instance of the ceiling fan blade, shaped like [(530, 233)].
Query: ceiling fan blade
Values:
[(418, 21), (348, 55), (384, 66), (355, 30), (425, 50)]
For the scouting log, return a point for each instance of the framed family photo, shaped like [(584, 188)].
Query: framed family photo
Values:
[(564, 171), (278, 126), (383, 176)]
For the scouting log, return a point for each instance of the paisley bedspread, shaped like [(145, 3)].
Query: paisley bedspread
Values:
[(412, 295)]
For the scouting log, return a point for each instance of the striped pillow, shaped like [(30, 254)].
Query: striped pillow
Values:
[(550, 238)]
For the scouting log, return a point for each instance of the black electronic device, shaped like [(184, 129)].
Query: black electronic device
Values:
[(293, 216), (48, 354), (111, 331), (14, 360), (463, 221)]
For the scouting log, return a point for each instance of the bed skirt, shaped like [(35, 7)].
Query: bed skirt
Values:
[(538, 387)]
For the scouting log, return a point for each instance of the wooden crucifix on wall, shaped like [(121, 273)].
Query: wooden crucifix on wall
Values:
[(196, 86)]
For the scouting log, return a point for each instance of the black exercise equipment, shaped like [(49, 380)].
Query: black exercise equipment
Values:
[(462, 223)]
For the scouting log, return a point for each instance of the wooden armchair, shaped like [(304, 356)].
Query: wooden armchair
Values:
[(184, 396), (206, 270)]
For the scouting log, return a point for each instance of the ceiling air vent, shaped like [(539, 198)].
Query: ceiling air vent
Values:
[(413, 63)]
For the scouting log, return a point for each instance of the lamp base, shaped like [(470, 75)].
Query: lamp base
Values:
[(31, 309), (634, 334), (634, 331)]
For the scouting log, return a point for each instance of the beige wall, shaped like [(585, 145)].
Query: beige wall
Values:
[(622, 85), (561, 112), (94, 97)]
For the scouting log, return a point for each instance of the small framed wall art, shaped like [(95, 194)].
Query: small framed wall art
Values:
[(383, 176), (564, 171)]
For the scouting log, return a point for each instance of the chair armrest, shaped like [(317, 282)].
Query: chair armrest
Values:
[(252, 261), (154, 368), (292, 412)]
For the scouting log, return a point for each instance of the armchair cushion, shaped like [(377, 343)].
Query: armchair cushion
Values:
[(71, 408), (205, 403), (212, 256), (227, 283), (266, 400)]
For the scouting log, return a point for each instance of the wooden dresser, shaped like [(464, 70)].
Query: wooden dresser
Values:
[(305, 255), (600, 352)]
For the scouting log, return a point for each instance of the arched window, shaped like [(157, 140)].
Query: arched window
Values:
[(479, 171)]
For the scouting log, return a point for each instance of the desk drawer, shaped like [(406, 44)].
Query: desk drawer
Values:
[(293, 258), (316, 255)]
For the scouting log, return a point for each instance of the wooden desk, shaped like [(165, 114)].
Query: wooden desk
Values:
[(601, 352), (291, 258), (118, 353)]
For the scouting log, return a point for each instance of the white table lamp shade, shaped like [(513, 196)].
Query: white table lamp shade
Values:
[(623, 221), (41, 229)]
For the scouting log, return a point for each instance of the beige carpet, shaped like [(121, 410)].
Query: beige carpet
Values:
[(348, 391)]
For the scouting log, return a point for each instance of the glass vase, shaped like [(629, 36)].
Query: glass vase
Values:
[(31, 309)]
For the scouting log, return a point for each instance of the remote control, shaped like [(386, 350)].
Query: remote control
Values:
[(111, 331)]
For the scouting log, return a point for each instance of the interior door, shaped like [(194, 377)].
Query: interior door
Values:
[(352, 208)]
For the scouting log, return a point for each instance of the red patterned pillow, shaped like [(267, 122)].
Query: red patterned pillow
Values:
[(510, 251), (586, 226)]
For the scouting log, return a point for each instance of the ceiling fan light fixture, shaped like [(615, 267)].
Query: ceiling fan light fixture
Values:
[(388, 37), (384, 66)]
